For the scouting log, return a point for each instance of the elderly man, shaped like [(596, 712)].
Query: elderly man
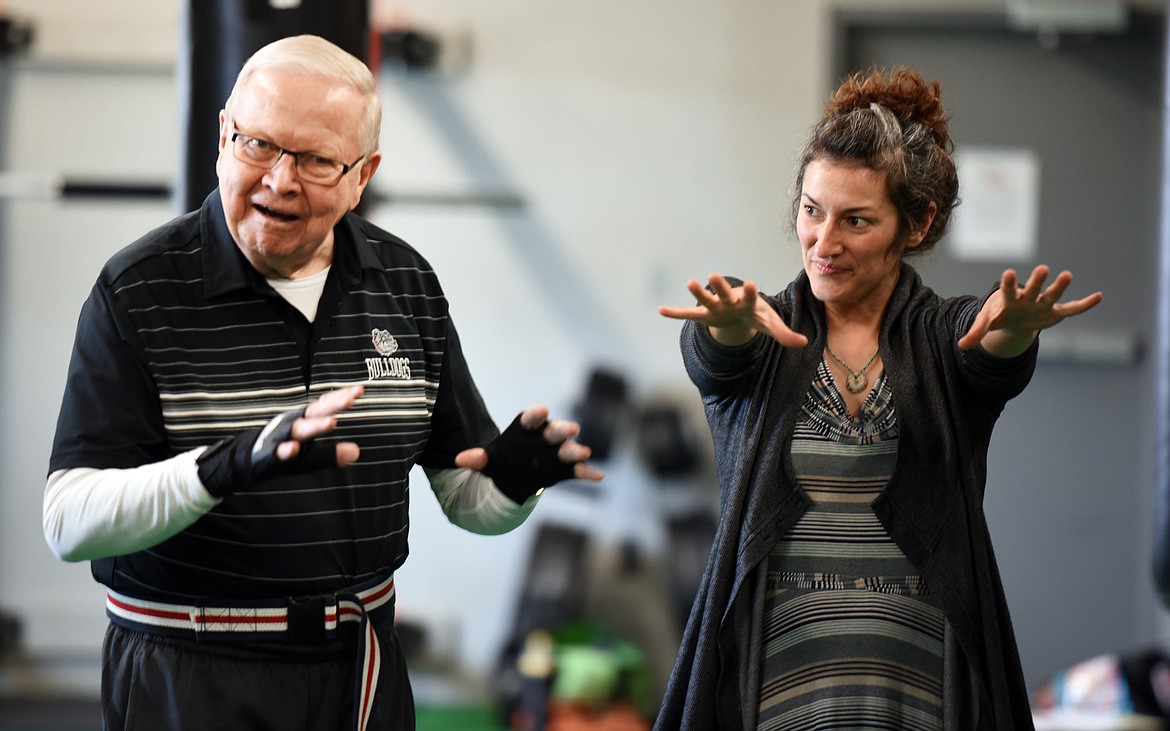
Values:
[(250, 387)]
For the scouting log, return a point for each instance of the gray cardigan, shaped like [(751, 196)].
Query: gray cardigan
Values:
[(947, 402)]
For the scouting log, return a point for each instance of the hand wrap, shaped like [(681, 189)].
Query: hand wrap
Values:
[(237, 462), (521, 462)]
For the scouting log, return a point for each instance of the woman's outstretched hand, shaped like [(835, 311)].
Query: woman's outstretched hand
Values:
[(1014, 314), (734, 314)]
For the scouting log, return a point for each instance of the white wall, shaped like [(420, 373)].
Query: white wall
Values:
[(62, 118), (652, 141)]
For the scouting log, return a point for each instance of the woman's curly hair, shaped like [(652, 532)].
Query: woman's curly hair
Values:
[(893, 123)]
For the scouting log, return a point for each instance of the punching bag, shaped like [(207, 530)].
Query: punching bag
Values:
[(218, 36), (1162, 467)]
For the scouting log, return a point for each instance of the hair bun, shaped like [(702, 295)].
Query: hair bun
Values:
[(903, 91)]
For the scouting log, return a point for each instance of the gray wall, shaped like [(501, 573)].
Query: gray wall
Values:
[(1072, 457), (652, 142)]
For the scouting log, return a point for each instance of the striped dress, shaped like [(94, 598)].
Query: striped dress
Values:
[(851, 637)]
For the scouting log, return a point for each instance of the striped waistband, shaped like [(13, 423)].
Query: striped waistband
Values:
[(293, 620), (306, 620)]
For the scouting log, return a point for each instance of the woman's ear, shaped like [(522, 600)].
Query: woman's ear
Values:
[(920, 230)]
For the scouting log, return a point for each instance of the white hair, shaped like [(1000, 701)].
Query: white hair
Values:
[(316, 55)]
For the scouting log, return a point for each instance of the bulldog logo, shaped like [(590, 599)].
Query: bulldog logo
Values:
[(384, 342), (385, 366)]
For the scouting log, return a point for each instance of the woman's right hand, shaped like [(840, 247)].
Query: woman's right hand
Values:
[(734, 314)]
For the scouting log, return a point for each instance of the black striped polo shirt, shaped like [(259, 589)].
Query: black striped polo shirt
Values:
[(181, 343)]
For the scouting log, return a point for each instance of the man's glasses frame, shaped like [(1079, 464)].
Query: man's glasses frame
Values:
[(259, 152)]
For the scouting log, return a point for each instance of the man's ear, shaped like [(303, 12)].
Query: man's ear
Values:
[(369, 166), (223, 137)]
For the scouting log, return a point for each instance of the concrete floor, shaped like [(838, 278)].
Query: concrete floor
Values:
[(50, 714)]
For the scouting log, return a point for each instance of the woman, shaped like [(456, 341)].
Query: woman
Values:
[(852, 582)]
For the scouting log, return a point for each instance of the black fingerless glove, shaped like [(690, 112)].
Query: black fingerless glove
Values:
[(521, 462), (237, 462)]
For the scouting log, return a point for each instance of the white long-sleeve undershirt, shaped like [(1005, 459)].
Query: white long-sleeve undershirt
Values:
[(94, 513), (472, 501)]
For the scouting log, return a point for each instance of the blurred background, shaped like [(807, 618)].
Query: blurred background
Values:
[(567, 167)]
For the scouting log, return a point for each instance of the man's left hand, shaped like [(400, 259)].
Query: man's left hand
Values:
[(556, 433)]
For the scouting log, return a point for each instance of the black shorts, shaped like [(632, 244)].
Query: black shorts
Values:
[(155, 683)]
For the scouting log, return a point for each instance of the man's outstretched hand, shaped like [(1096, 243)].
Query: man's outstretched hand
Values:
[(284, 445), (532, 453)]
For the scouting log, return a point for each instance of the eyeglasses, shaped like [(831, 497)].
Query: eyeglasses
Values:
[(310, 166)]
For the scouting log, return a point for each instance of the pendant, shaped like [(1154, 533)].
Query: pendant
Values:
[(856, 382)]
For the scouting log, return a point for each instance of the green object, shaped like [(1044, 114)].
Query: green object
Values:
[(458, 718), (595, 666), (589, 675)]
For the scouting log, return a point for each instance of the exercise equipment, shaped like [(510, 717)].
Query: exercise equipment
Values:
[(218, 37)]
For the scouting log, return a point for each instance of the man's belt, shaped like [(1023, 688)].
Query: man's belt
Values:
[(293, 620), (299, 619)]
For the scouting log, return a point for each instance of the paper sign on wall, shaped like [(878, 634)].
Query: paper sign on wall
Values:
[(998, 216)]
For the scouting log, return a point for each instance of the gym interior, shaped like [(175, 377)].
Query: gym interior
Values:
[(567, 167)]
